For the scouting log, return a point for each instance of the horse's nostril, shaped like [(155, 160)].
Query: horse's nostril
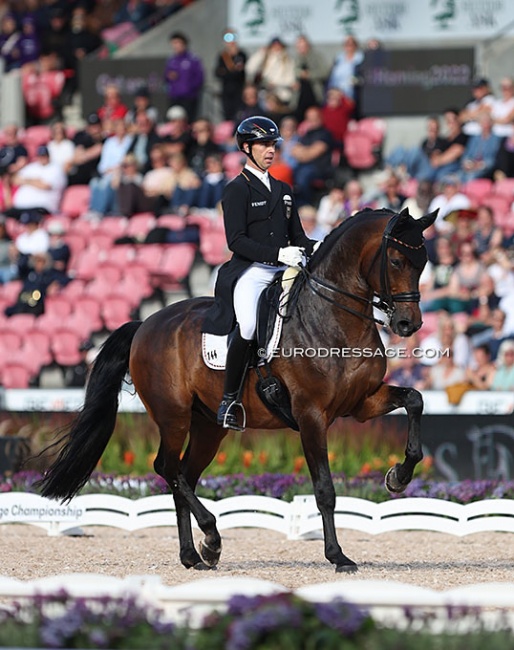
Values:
[(404, 327)]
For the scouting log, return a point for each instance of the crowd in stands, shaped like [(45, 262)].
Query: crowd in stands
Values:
[(97, 220)]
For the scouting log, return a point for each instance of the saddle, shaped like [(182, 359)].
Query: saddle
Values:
[(272, 308)]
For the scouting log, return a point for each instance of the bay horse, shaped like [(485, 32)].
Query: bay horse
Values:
[(374, 253)]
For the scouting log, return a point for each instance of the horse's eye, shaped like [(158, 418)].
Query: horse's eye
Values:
[(395, 262)]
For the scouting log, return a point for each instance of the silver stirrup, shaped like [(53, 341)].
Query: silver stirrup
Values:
[(232, 405)]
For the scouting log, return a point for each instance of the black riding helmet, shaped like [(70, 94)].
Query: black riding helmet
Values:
[(256, 129)]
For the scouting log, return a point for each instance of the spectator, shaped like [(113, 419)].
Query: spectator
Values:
[(331, 208), (8, 270), (504, 375), (274, 107), (13, 155), (337, 112), (280, 169), (159, 182), (112, 109), (186, 188), (496, 331), (213, 182), (142, 104), (60, 147), (56, 38), (86, 155), (272, 69), (343, 72), (290, 137), (29, 44), (480, 153), (230, 70), (113, 151), (202, 145), (480, 375), (10, 39), (448, 201), (127, 182), (143, 141), (446, 337), (469, 283), (135, 12), (58, 249), (435, 283), (32, 240), (250, 104), (464, 226), (184, 76), (354, 198), (445, 373), (178, 138), (311, 72), (313, 154), (409, 373), (502, 110), (483, 99), (390, 197), (83, 41), (309, 220), (40, 185), (40, 282), (418, 205), (487, 237), (447, 161), (504, 163), (43, 87)]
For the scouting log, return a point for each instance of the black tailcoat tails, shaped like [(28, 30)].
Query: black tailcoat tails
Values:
[(257, 225)]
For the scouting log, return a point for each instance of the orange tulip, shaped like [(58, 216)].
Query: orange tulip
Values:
[(247, 458), (150, 459), (331, 456), (221, 457), (377, 463), (366, 468), (298, 465), (427, 463), (129, 457), (263, 457)]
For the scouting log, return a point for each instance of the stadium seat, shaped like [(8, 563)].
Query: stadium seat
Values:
[(477, 189), (65, 347), (175, 266), (76, 242), (81, 227), (171, 221), (499, 204), (15, 375), (139, 225), (409, 187), (505, 188), (75, 200), (233, 163), (11, 290), (19, 323), (36, 343), (100, 241), (134, 289), (116, 311), (59, 305), (109, 273), (88, 308), (86, 265), (150, 256), (112, 226), (10, 340), (62, 219), (121, 256), (358, 150), (13, 227), (213, 248)]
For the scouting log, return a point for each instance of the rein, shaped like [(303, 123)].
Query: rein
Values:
[(386, 299)]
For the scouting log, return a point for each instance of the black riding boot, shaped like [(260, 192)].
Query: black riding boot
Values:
[(238, 356)]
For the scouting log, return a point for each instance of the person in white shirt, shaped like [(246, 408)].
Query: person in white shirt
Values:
[(40, 185), (483, 99), (449, 200), (60, 148)]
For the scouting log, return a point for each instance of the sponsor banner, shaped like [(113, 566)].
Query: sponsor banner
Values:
[(58, 401), (23, 507), (328, 21)]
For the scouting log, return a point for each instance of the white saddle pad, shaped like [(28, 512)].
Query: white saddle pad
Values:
[(214, 348)]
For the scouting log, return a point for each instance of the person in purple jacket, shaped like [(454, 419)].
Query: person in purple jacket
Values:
[(184, 76), (29, 43)]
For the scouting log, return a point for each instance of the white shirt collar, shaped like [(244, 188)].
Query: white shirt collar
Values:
[(262, 176)]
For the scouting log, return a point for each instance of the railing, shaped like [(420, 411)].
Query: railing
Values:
[(298, 519)]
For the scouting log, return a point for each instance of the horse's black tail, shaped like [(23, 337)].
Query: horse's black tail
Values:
[(88, 435)]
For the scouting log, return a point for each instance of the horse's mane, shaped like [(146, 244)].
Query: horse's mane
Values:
[(334, 236)]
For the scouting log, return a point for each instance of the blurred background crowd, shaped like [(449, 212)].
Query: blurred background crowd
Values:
[(115, 214)]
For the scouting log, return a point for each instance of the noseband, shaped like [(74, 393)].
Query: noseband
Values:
[(386, 299)]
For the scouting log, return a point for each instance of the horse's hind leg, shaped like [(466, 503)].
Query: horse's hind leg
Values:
[(204, 442), (386, 399)]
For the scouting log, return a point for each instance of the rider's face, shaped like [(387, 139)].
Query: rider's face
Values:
[(264, 153)]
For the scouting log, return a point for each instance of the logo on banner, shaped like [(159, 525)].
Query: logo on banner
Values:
[(254, 15), (443, 13), (348, 14)]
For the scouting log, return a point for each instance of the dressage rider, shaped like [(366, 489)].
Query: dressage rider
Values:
[(264, 233)]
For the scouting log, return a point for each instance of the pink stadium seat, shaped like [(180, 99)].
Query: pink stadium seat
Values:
[(11, 290), (506, 222), (65, 347), (477, 189), (499, 204), (15, 375), (75, 200), (121, 256), (81, 227), (358, 150), (76, 242), (36, 135), (88, 309), (409, 187), (99, 288), (223, 132), (150, 256), (112, 226), (19, 323), (13, 227), (86, 265), (116, 310), (233, 163), (140, 224), (171, 221), (176, 263), (201, 219), (505, 188), (134, 289), (37, 344), (74, 289), (59, 305), (10, 341), (108, 273), (374, 128), (100, 241), (213, 247)]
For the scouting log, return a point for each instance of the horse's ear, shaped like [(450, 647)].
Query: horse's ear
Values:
[(428, 219)]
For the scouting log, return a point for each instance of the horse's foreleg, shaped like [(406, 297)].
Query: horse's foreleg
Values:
[(386, 399), (314, 442)]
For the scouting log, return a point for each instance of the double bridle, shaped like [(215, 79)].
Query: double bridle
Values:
[(385, 300)]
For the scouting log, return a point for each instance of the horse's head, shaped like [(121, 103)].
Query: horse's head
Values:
[(399, 263)]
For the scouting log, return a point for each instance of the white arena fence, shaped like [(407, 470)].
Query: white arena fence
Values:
[(298, 519)]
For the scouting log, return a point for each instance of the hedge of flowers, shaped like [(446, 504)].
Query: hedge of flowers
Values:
[(280, 486), (277, 622)]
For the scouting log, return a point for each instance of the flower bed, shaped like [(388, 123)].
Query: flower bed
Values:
[(279, 486)]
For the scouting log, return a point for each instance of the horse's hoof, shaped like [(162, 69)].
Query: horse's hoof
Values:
[(209, 555), (347, 568), (201, 566), (391, 481)]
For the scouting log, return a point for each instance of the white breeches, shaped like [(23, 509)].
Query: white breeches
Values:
[(247, 293)]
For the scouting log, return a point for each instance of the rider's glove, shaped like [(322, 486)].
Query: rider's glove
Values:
[(291, 255)]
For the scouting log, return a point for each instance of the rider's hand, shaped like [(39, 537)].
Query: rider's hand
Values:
[(291, 255)]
